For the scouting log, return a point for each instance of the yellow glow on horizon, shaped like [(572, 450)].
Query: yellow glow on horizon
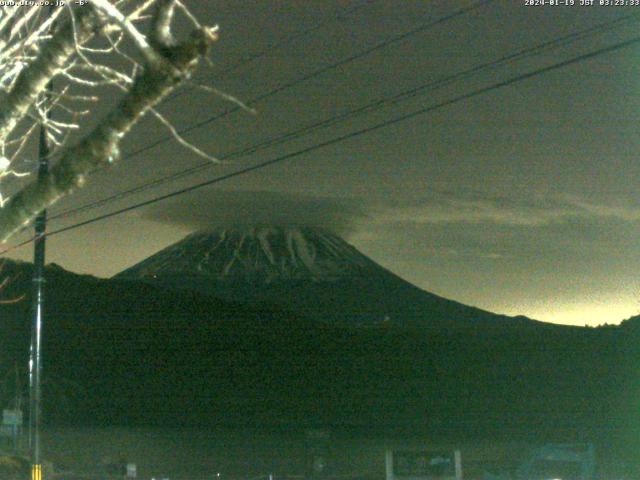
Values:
[(582, 314)]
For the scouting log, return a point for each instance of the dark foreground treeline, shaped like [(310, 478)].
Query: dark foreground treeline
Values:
[(118, 353)]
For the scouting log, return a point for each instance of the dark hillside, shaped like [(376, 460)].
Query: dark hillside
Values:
[(123, 353)]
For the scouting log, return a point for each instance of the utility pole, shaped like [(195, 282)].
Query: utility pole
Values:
[(35, 351), (35, 360)]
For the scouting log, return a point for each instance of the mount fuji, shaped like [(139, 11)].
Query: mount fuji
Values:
[(308, 270)]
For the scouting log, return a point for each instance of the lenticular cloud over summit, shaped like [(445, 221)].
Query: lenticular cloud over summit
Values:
[(207, 210)]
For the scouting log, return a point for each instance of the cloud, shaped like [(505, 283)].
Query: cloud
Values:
[(464, 253), (201, 210), (617, 210), (534, 211)]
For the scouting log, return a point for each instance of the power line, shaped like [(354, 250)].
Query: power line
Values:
[(253, 57), (368, 108), (317, 72), (285, 86), (290, 38), (348, 136), (249, 59), (378, 46), (286, 40), (320, 71)]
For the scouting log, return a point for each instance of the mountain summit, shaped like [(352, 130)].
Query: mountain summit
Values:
[(259, 254), (307, 270)]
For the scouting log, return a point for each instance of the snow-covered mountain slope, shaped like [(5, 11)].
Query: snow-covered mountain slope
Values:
[(261, 254), (309, 271)]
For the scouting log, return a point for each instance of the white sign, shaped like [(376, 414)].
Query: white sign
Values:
[(423, 465), (131, 470), (11, 417)]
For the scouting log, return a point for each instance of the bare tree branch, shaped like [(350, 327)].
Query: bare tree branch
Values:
[(34, 50), (189, 146), (161, 27), (33, 79), (160, 76), (150, 55)]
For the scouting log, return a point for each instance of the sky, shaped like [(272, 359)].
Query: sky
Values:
[(515, 197)]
